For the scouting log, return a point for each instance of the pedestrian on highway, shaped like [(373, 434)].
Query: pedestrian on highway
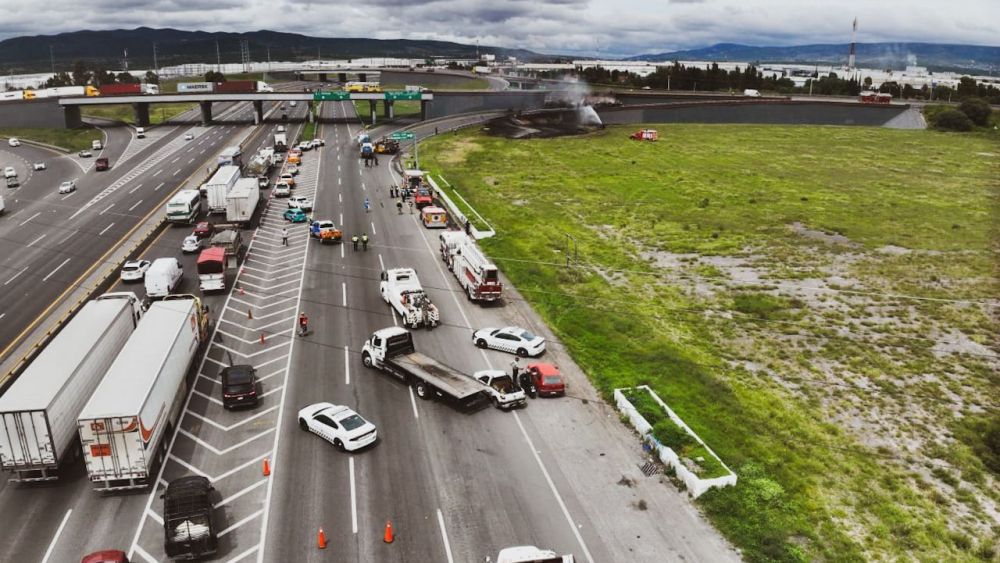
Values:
[(435, 130), (468, 228), (411, 207), (303, 323), (376, 160), (368, 205), (515, 368), (354, 239), (364, 241), (399, 207), (284, 236)]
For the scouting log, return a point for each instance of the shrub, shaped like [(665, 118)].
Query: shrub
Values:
[(672, 436), (760, 305), (977, 110), (952, 120)]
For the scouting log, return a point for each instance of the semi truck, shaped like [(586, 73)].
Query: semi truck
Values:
[(479, 278), (401, 289), (217, 187), (280, 142), (242, 200), (38, 412), (127, 89), (391, 350), (228, 87), (126, 424)]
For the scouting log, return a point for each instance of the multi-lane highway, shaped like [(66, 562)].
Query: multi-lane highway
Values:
[(457, 486)]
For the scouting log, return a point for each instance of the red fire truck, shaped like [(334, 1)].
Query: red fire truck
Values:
[(478, 276)]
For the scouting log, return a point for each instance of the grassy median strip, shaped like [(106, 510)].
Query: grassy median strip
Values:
[(69, 139), (753, 277), (158, 113)]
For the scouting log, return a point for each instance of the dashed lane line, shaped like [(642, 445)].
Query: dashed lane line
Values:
[(52, 273), (105, 229)]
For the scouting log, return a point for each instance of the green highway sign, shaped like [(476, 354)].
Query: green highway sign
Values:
[(331, 96), (402, 95), (402, 136)]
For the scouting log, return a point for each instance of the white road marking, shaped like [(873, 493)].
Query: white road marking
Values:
[(347, 366), (105, 229), (134, 205), (14, 277), (175, 160), (444, 537), (380, 262), (373, 229), (32, 243), (354, 497), (343, 286), (25, 222), (159, 186), (134, 189), (69, 236), (341, 219), (340, 198), (176, 172), (46, 278), (106, 209), (340, 181), (157, 173), (190, 161), (413, 399), (2, 315), (342, 247), (52, 545)]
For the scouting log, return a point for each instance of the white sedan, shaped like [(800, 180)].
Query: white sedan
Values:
[(191, 244), (339, 425), (67, 187), (134, 270), (300, 202), (305, 145), (13, 142), (281, 189), (39, 166), (510, 339), (189, 137)]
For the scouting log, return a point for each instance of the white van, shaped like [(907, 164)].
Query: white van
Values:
[(96, 145), (163, 277), (140, 133), (751, 93)]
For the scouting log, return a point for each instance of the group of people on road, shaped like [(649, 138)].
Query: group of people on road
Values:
[(363, 239), (521, 377), (370, 160)]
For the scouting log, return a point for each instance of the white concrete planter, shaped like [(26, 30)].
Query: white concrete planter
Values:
[(696, 486)]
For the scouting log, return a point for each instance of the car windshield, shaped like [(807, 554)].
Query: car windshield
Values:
[(351, 422), (526, 335), (552, 379), (239, 388)]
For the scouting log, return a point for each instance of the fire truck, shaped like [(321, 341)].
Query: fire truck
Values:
[(478, 276), (869, 97)]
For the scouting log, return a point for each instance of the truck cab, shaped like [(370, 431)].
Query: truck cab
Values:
[(500, 386), (188, 528)]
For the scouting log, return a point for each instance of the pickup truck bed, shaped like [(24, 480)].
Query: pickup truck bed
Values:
[(445, 379)]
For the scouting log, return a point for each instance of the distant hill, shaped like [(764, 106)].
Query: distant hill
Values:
[(29, 54), (963, 58)]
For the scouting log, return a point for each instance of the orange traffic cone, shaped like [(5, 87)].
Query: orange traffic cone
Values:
[(267, 467), (388, 532), (321, 539), (262, 338), (250, 314)]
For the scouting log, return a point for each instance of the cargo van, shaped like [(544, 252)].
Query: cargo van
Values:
[(163, 277), (96, 145), (140, 133)]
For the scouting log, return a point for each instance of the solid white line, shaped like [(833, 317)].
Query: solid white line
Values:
[(341, 219), (46, 278), (373, 229), (347, 366), (343, 286), (48, 552), (25, 222), (176, 172), (342, 247), (354, 497), (444, 537), (32, 243), (106, 209), (134, 205), (552, 486), (159, 186), (157, 173), (413, 399), (105, 229), (14, 277)]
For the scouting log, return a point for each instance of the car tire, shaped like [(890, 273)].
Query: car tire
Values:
[(496, 402), (366, 359), (481, 343), (423, 390), (338, 444), (303, 425), (522, 352)]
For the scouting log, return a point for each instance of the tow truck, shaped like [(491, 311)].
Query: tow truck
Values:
[(401, 289)]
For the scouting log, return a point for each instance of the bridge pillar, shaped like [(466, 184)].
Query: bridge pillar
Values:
[(310, 107), (258, 112), (373, 109), (341, 77), (72, 116), (141, 112), (322, 77), (389, 111), (362, 77), (206, 113), (425, 105)]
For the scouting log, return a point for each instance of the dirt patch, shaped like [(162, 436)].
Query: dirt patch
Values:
[(821, 236)]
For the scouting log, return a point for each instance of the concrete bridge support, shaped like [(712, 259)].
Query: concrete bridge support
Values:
[(72, 117), (389, 112), (141, 114), (206, 113), (258, 112), (425, 106), (341, 77), (373, 110), (322, 77)]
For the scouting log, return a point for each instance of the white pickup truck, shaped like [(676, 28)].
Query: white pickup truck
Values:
[(500, 386), (401, 289)]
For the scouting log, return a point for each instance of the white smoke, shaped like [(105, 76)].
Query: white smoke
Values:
[(587, 115)]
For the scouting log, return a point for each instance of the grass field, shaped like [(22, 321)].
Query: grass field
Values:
[(402, 108), (158, 113), (69, 139), (818, 303)]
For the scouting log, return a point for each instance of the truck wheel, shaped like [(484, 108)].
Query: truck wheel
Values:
[(496, 402), (522, 352), (303, 425), (366, 359), (423, 390), (481, 343)]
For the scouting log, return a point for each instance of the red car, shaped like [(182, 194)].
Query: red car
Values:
[(422, 197), (107, 556), (547, 379), (203, 230), (102, 164)]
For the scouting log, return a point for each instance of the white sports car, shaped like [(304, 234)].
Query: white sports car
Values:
[(510, 339), (339, 425), (134, 270)]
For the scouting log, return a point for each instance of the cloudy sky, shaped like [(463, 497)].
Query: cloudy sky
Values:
[(593, 27)]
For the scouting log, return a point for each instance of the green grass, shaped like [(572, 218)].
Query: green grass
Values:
[(158, 113), (70, 139), (808, 489)]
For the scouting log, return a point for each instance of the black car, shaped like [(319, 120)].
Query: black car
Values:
[(188, 528), (12, 182), (239, 386)]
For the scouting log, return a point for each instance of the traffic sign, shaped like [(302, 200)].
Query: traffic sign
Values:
[(402, 136), (331, 96), (402, 95)]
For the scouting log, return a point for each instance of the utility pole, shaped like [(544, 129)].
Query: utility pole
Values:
[(125, 60), (218, 58), (52, 60), (156, 67)]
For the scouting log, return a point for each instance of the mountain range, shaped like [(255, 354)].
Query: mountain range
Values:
[(935, 56), (27, 54)]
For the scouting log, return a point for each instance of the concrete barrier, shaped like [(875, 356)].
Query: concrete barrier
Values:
[(785, 112)]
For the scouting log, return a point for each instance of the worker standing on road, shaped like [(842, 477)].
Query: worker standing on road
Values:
[(303, 323), (354, 239), (368, 205), (399, 207), (515, 367), (364, 241), (411, 207), (284, 236), (468, 228)]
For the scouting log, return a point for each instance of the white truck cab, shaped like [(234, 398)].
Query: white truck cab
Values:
[(401, 289), (140, 133), (96, 145), (501, 388), (530, 554)]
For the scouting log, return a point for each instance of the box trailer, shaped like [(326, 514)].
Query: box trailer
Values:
[(242, 200), (125, 426), (218, 186), (38, 412), (189, 87)]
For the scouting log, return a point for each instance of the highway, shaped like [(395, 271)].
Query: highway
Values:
[(456, 486)]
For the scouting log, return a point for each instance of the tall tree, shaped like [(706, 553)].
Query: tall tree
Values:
[(81, 75), (152, 77)]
